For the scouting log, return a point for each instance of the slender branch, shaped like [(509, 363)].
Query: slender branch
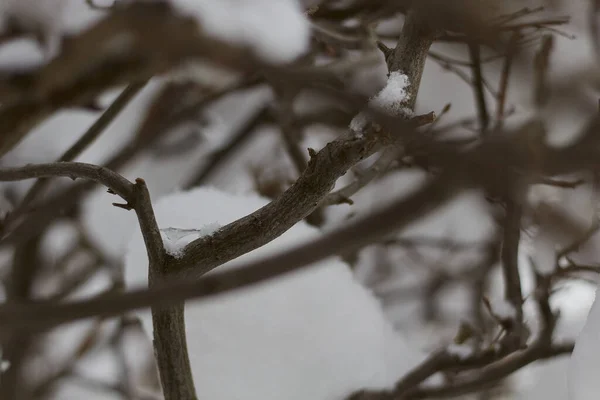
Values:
[(505, 74), (169, 323), (492, 373), (73, 170), (541, 66), (319, 177), (510, 267), (290, 133), (382, 164), (477, 79)]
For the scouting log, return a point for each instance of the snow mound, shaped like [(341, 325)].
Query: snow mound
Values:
[(277, 30), (315, 334)]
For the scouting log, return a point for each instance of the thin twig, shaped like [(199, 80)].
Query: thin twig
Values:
[(477, 79), (505, 75), (73, 170), (541, 66)]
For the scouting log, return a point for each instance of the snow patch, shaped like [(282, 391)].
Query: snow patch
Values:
[(359, 123), (390, 100), (393, 97), (460, 351), (175, 239)]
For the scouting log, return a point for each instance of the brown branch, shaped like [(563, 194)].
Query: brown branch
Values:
[(493, 373), (380, 166), (323, 170), (541, 66), (477, 79), (73, 170), (169, 323), (490, 365), (290, 133), (510, 268), (383, 163), (411, 51), (269, 222)]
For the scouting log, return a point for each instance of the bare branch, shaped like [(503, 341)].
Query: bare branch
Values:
[(73, 170), (169, 323)]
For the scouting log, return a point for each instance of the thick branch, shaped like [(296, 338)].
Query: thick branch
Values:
[(269, 222), (411, 52)]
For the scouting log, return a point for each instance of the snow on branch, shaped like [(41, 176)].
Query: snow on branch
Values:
[(394, 97)]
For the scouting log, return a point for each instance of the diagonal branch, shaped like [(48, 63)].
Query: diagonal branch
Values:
[(319, 177)]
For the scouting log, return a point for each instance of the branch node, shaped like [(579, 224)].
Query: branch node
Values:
[(124, 206), (387, 52)]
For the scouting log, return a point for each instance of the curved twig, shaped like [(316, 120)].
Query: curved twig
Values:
[(115, 182)]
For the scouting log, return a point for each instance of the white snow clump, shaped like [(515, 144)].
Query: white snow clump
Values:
[(393, 97), (277, 30)]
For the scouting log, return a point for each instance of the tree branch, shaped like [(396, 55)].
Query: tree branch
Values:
[(317, 180), (73, 170), (170, 342)]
